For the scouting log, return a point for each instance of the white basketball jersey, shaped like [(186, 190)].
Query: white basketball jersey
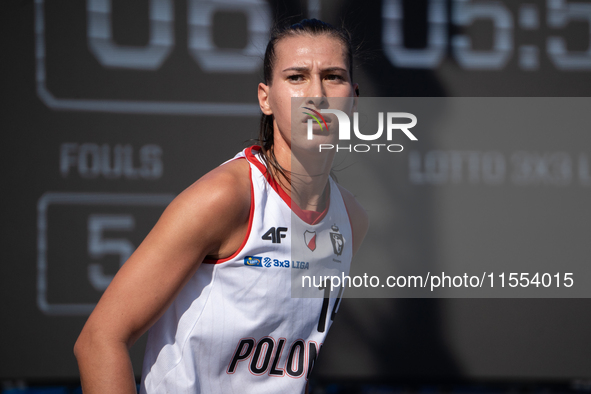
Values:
[(235, 327)]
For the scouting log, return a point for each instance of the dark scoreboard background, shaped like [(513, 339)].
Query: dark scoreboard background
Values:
[(111, 108)]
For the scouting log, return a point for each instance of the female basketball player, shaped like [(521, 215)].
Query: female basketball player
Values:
[(213, 277)]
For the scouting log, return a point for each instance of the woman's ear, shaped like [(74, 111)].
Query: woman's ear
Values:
[(263, 94)]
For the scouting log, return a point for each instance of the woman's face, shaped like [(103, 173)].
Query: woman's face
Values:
[(312, 67)]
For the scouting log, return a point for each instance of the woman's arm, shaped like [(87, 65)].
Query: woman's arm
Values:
[(209, 218)]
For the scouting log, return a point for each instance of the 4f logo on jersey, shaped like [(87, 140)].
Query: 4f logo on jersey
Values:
[(253, 261), (338, 243), (275, 234)]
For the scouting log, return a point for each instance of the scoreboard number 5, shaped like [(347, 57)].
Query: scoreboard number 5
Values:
[(74, 256), (99, 246)]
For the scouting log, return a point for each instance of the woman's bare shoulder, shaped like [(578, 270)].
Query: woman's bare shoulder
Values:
[(224, 192)]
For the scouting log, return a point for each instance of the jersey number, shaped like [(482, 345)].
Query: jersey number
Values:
[(324, 312)]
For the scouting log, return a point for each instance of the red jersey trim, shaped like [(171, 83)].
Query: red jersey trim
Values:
[(250, 219), (310, 217)]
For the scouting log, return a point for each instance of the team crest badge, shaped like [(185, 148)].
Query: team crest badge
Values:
[(338, 243), (310, 239)]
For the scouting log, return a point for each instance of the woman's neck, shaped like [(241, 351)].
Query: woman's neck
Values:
[(308, 172)]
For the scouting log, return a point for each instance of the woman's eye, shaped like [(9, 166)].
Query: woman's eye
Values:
[(295, 77), (334, 77)]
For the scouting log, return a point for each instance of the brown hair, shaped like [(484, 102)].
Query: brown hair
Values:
[(313, 27)]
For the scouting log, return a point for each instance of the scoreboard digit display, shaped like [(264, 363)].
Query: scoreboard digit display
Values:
[(70, 280)]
